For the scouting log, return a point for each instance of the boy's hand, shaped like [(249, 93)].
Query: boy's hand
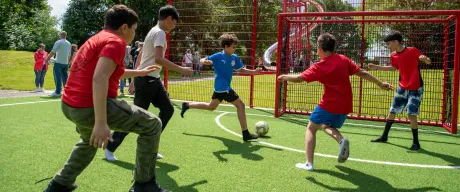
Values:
[(282, 78), (371, 66), (149, 69), (424, 59), (100, 136), (131, 88), (207, 62), (187, 71), (386, 86)]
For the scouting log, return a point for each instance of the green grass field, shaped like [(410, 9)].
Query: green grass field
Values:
[(200, 155)]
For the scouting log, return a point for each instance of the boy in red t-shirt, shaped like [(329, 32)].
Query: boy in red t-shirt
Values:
[(333, 72), (90, 102), (410, 91)]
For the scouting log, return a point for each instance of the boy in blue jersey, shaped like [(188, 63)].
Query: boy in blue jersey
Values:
[(224, 63)]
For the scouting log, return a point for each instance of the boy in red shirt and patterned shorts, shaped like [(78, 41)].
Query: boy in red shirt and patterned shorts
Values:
[(410, 91), (333, 71), (90, 102)]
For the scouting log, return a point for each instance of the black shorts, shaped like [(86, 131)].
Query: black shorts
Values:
[(228, 96)]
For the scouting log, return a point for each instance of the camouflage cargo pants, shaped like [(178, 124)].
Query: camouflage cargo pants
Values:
[(123, 117)]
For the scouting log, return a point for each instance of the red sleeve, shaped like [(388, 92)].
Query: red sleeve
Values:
[(352, 67), (312, 74), (36, 56), (416, 52), (115, 50), (393, 63)]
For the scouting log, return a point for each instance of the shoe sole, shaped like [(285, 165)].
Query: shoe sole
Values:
[(344, 151)]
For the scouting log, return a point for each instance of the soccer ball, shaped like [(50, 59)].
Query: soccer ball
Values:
[(261, 128)]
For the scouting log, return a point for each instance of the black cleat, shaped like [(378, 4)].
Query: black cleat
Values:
[(415, 147), (380, 140), (57, 187), (150, 186), (184, 109), (250, 137)]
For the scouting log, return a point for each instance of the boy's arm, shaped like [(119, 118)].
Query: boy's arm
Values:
[(101, 132), (379, 67), (291, 78), (425, 59), (205, 61), (159, 59), (250, 72), (365, 75)]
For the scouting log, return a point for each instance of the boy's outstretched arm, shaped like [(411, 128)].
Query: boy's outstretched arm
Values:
[(290, 78), (159, 59), (365, 75), (250, 72), (425, 59), (379, 67), (205, 61)]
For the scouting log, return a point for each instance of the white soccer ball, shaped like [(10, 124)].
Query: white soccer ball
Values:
[(52, 61), (261, 128)]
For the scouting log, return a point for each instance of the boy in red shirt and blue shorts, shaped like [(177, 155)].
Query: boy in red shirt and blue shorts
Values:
[(333, 71), (410, 91)]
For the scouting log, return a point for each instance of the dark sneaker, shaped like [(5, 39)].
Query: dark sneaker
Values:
[(57, 187), (150, 186), (380, 140), (250, 137), (415, 147), (184, 109)]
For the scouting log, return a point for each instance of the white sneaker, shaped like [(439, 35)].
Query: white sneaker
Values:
[(109, 155), (344, 150), (306, 166), (37, 89), (159, 156), (41, 89), (54, 94)]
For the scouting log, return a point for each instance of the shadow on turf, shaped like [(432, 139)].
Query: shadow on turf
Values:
[(453, 161), (365, 182), (162, 174), (245, 149), (403, 138), (304, 123)]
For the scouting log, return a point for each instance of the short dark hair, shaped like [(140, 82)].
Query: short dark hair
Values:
[(227, 40), (326, 41), (166, 11), (41, 45), (393, 35), (118, 15)]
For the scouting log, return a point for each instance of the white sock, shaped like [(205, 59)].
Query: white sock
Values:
[(109, 155)]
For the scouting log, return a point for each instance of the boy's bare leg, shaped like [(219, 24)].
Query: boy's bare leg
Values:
[(241, 112), (333, 132), (205, 106), (310, 141)]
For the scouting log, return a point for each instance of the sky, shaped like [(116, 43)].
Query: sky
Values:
[(58, 8)]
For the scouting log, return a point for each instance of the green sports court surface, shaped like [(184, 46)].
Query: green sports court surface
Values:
[(203, 152)]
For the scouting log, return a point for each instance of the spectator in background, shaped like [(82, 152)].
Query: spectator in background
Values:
[(40, 67), (128, 59), (187, 61), (62, 50), (74, 53), (197, 64)]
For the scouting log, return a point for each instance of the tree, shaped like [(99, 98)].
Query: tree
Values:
[(83, 19), (25, 24)]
